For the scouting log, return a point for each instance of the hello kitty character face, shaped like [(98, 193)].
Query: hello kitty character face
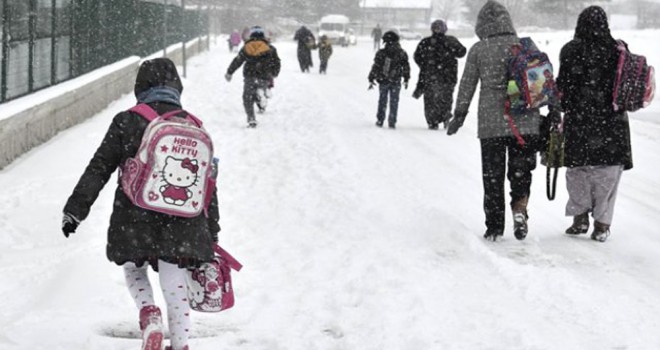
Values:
[(196, 296), (180, 173), (213, 289)]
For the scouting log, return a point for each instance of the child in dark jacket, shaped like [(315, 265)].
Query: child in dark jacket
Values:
[(262, 65), (325, 51), (139, 237), (390, 66)]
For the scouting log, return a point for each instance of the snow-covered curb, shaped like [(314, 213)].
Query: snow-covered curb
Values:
[(34, 119)]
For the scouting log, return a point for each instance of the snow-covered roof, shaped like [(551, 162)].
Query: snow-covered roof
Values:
[(335, 19), (417, 4)]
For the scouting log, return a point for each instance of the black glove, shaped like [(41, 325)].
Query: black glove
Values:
[(554, 117), (371, 85), (456, 122), (69, 224), (405, 84)]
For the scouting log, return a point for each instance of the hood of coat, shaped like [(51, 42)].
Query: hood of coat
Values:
[(256, 47), (157, 72), (592, 26), (493, 19)]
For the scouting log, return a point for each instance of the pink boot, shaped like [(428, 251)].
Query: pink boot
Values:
[(151, 325)]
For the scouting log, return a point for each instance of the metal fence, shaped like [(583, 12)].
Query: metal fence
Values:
[(45, 42)]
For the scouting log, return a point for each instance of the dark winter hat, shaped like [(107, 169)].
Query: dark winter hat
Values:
[(157, 72), (439, 26), (390, 37), (592, 25), (257, 32)]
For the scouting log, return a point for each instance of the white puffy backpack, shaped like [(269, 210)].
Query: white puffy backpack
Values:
[(173, 170)]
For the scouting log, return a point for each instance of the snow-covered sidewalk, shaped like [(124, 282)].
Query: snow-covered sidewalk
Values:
[(352, 237)]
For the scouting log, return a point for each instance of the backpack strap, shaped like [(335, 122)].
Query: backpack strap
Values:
[(231, 261), (551, 185), (515, 131), (145, 111)]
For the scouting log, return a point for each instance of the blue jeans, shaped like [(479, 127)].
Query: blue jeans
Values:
[(391, 91)]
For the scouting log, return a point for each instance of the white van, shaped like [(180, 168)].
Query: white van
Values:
[(335, 28)]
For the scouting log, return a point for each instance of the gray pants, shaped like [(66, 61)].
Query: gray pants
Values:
[(593, 189)]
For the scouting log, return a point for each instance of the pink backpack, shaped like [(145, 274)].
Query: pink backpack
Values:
[(172, 172), (634, 86), (209, 286)]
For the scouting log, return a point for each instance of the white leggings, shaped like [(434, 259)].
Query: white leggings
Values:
[(173, 284)]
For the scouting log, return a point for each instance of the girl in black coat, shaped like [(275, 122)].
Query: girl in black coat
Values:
[(597, 139), (138, 237)]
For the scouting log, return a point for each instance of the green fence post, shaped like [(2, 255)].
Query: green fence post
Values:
[(53, 42), (32, 24), (182, 29), (5, 50)]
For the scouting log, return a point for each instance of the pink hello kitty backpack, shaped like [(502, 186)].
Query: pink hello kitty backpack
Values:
[(209, 286), (172, 170)]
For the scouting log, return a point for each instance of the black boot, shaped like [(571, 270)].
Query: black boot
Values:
[(493, 234), (601, 232), (519, 210), (580, 224), (520, 225)]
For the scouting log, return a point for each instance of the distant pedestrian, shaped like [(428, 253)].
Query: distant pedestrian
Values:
[(234, 40), (389, 68), (597, 145), (306, 43), (262, 65), (437, 58), (325, 51), (377, 34)]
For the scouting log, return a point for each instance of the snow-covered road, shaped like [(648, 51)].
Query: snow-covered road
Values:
[(352, 237)]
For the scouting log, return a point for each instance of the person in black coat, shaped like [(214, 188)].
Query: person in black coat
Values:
[(138, 237), (261, 65), (306, 42), (437, 58), (389, 67), (597, 138)]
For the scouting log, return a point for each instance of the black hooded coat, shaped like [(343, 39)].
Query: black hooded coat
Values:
[(594, 133), (437, 57), (135, 234), (306, 42)]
